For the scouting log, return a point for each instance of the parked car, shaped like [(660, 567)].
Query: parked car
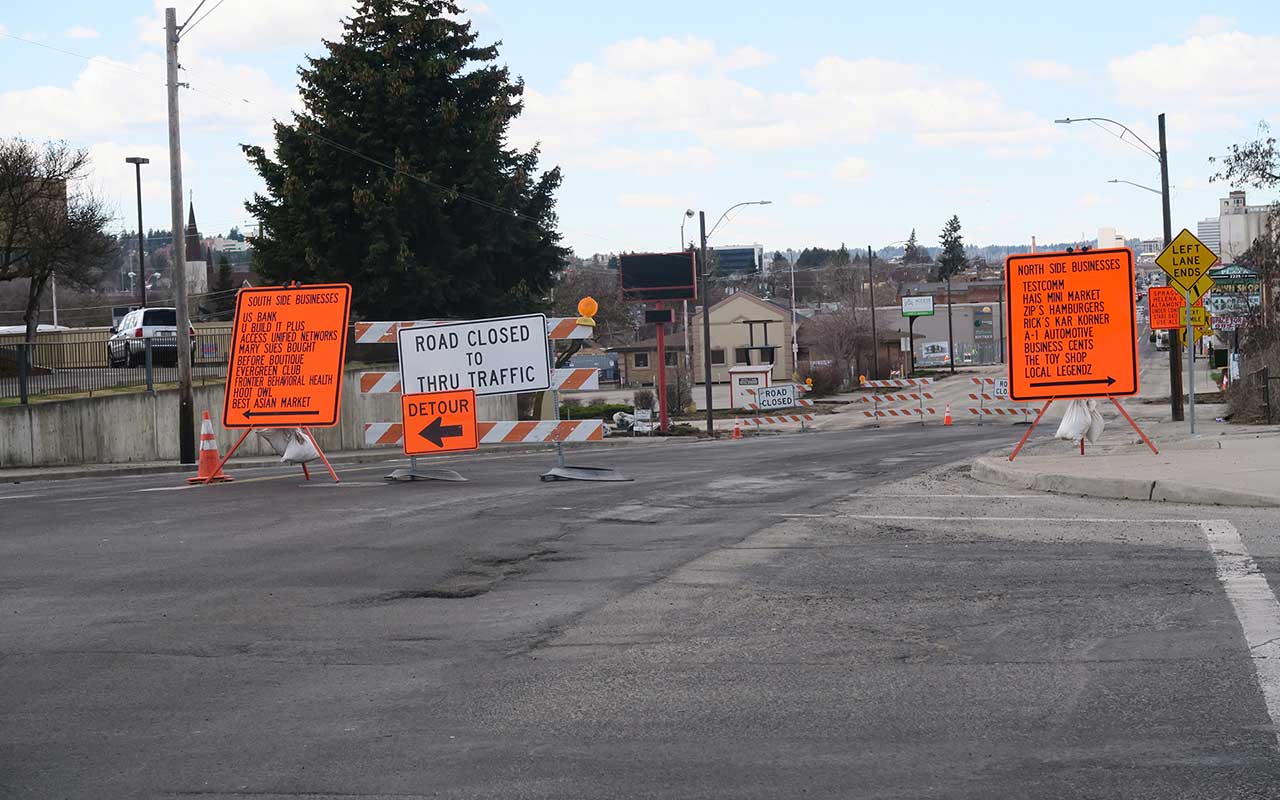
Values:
[(127, 346)]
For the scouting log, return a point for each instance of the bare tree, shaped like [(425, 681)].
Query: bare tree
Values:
[(616, 319), (845, 337), (48, 224)]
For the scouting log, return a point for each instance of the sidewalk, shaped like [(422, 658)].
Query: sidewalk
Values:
[(1230, 465)]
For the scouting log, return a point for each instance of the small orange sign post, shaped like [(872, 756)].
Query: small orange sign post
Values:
[(1071, 325), (439, 422), (287, 351), (1166, 304)]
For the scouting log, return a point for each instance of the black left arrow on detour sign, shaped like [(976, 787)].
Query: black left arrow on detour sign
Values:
[(252, 413), (436, 432)]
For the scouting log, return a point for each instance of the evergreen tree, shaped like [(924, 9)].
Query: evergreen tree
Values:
[(952, 261), (223, 289), (841, 258), (912, 252), (396, 176)]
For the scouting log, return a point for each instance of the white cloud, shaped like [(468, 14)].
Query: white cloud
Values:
[(852, 168), (843, 102), (652, 55), (648, 163), (1209, 24), (653, 200), (254, 26), (1094, 200), (81, 32), (806, 200), (1044, 69), (746, 58), (798, 174), (1218, 72)]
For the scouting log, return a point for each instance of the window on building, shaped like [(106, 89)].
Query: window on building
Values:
[(642, 360), (742, 355), (717, 357), (671, 359)]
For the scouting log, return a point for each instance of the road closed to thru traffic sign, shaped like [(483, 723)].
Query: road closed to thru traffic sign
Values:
[(287, 351), (1071, 325), (493, 356)]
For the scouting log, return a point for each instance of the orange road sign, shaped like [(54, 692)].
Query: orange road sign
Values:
[(1072, 331), (287, 351), (1186, 260), (439, 422), (1166, 304)]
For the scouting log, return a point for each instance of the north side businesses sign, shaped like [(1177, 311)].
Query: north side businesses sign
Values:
[(1072, 327)]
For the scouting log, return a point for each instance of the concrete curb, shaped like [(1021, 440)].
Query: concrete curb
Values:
[(990, 470), (34, 474)]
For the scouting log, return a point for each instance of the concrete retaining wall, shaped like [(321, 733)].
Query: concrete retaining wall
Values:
[(143, 427)]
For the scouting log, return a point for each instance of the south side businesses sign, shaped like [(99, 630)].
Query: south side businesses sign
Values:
[(1072, 331), (502, 355)]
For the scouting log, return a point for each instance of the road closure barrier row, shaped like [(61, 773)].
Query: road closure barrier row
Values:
[(378, 434), (883, 407), (576, 379), (388, 332)]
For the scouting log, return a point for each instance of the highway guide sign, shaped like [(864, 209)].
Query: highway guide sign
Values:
[(917, 306), (439, 422), (1071, 324), (1186, 260), (288, 346), (503, 355), (772, 398)]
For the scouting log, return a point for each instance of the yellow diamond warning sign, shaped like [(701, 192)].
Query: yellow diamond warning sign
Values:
[(1186, 260)]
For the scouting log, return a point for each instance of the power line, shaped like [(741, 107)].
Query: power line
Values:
[(199, 6), (185, 30), (95, 59)]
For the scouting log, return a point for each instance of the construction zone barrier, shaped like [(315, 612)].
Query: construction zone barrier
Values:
[(897, 383), (778, 419), (378, 434), (210, 465), (558, 328), (577, 379), (877, 400), (901, 412), (994, 396)]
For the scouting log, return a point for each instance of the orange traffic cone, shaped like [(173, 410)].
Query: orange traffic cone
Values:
[(737, 429), (1224, 381), (210, 459), (946, 418)]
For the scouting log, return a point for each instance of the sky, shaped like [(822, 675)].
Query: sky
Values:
[(859, 122)]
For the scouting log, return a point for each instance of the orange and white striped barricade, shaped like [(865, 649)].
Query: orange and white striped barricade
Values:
[(776, 419), (994, 391), (917, 395), (551, 431)]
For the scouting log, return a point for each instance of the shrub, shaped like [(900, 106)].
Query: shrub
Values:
[(827, 379), (643, 398)]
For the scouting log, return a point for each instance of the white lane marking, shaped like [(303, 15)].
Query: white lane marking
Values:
[(163, 489), (1255, 605), (1151, 520), (19, 496), (944, 496)]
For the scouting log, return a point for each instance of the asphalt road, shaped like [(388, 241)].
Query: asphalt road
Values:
[(816, 615)]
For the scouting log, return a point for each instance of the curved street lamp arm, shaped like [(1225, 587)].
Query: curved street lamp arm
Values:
[(1126, 128), (1131, 183), (732, 207)]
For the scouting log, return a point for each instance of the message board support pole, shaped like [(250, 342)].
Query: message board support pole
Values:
[(1133, 424), (320, 452), (230, 453), (1191, 365), (1027, 435), (561, 471)]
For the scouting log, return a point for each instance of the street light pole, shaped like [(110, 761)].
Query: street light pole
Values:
[(137, 162), (1161, 155), (706, 323), (687, 372)]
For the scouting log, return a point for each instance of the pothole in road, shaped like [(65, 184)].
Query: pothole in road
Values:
[(480, 576)]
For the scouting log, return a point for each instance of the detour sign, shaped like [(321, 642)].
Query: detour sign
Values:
[(287, 350), (1071, 325), (439, 422)]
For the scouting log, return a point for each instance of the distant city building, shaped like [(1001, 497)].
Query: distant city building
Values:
[(1239, 224), (1209, 231), (1107, 237), (221, 244), (1151, 247), (739, 258)]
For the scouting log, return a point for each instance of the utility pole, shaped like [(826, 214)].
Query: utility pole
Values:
[(950, 331), (875, 342), (706, 323), (137, 162), (1175, 361), (186, 410)]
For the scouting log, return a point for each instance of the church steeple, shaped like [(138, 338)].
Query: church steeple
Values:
[(194, 251)]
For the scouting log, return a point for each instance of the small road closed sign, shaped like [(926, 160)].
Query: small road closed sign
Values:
[(287, 351), (503, 355), (772, 398), (1071, 323), (439, 422)]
